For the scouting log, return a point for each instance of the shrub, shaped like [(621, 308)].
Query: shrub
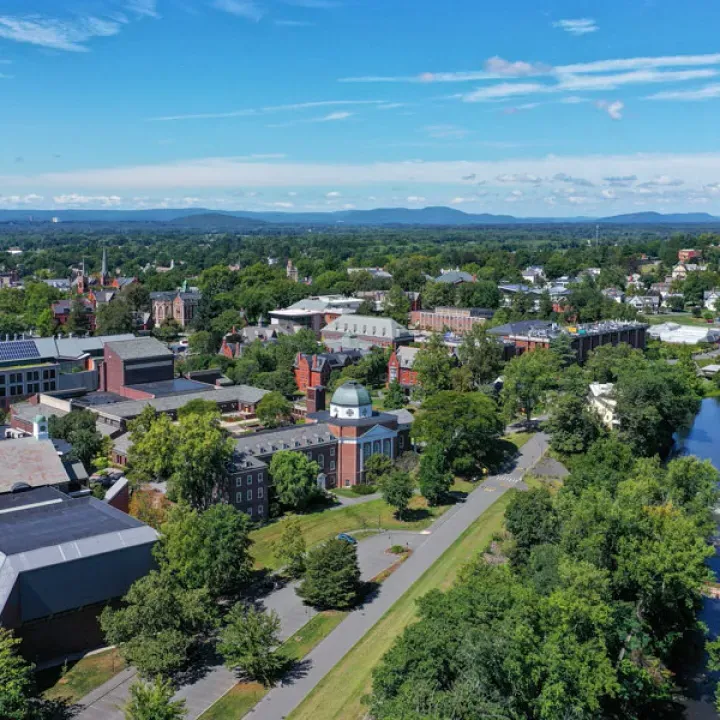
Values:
[(363, 489)]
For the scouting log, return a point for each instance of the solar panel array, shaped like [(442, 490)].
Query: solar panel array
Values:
[(18, 350)]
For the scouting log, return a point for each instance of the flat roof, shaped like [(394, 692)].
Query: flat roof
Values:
[(176, 386), (139, 348), (52, 518), (31, 461), (132, 408)]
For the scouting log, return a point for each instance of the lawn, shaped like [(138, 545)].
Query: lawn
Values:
[(518, 439), (81, 677), (245, 695), (339, 695), (237, 703), (319, 526)]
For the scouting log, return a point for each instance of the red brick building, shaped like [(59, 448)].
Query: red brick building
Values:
[(62, 308), (688, 255), (400, 367), (457, 320), (181, 306), (315, 370)]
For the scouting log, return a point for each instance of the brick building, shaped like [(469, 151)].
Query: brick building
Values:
[(528, 335), (400, 367), (688, 255), (364, 332), (314, 370), (62, 308), (180, 305), (457, 320)]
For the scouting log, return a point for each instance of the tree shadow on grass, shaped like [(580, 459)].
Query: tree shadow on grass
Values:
[(55, 709), (414, 515), (502, 457)]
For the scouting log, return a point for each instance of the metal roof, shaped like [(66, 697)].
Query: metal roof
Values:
[(369, 326), (138, 348), (297, 438), (127, 410)]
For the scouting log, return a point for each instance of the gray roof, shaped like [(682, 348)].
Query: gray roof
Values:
[(172, 294), (122, 444), (31, 461), (454, 277), (139, 348), (404, 417), (169, 403), (368, 326), (406, 356), (45, 528), (251, 448)]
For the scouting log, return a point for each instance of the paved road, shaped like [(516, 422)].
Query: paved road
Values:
[(105, 702), (282, 700)]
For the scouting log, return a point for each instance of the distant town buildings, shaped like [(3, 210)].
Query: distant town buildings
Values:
[(688, 255), (454, 277), (315, 370), (314, 313), (533, 274)]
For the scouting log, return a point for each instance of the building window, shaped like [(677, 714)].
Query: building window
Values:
[(249, 480), (367, 450), (377, 447), (321, 460), (238, 482), (387, 448), (261, 509), (309, 455), (238, 498), (332, 452), (261, 493), (250, 511), (401, 441), (332, 464), (261, 477), (248, 495)]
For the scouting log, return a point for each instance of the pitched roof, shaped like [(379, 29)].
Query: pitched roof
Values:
[(299, 437), (138, 348), (406, 356), (454, 277), (369, 326)]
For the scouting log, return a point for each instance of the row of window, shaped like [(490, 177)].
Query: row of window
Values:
[(249, 495), (260, 478), (31, 388), (15, 378)]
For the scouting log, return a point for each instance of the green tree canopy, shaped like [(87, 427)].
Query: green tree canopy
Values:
[(481, 355), (248, 642), (153, 701), (434, 478), (527, 380), (433, 365), (16, 679), (294, 478), (290, 549), (465, 424), (274, 410), (397, 488), (332, 576)]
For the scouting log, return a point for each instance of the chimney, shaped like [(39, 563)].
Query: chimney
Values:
[(315, 399)]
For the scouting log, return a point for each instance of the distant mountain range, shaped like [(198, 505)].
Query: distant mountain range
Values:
[(204, 219)]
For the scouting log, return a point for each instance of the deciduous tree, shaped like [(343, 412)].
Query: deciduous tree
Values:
[(290, 549), (434, 478), (332, 576), (295, 478), (274, 410), (153, 701), (397, 489), (526, 381), (16, 679)]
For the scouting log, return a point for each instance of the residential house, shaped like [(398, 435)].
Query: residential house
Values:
[(534, 274), (647, 304), (688, 255), (315, 370), (400, 367), (710, 299), (62, 308), (614, 294), (455, 277)]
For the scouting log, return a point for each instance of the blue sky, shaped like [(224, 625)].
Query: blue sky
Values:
[(557, 109)]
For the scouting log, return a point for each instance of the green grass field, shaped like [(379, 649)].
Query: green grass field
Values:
[(518, 439), (81, 677), (312, 633), (237, 703), (317, 527), (339, 695)]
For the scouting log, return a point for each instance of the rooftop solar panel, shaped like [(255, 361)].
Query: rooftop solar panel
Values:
[(18, 350)]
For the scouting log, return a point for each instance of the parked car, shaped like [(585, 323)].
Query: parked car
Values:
[(347, 538)]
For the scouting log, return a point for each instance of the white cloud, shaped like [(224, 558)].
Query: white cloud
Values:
[(241, 8), (410, 199), (30, 199), (146, 8), (609, 194), (461, 200), (446, 131), (348, 206), (639, 63), (498, 66), (573, 100), (519, 178), (333, 194), (514, 196), (504, 90), (580, 26), (292, 193), (231, 173), (704, 93), (662, 181), (285, 205), (54, 33), (613, 109), (76, 199), (580, 182), (249, 112), (333, 116), (620, 181)]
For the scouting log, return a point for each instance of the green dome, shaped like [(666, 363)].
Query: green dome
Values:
[(351, 394)]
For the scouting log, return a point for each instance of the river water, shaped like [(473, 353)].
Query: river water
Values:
[(703, 441)]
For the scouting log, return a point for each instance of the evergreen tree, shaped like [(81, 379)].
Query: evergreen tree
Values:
[(332, 576), (434, 478)]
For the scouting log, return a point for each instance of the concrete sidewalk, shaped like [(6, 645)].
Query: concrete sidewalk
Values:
[(283, 699)]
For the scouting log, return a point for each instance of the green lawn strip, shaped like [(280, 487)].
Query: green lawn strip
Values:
[(82, 676), (237, 703), (345, 492), (463, 486), (245, 695), (317, 527), (339, 694), (518, 439)]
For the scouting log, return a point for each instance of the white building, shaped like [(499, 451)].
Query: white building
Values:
[(710, 299), (534, 274), (684, 334)]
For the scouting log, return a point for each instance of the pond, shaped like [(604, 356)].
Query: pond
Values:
[(703, 441)]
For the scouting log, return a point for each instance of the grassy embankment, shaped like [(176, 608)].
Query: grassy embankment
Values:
[(354, 672)]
